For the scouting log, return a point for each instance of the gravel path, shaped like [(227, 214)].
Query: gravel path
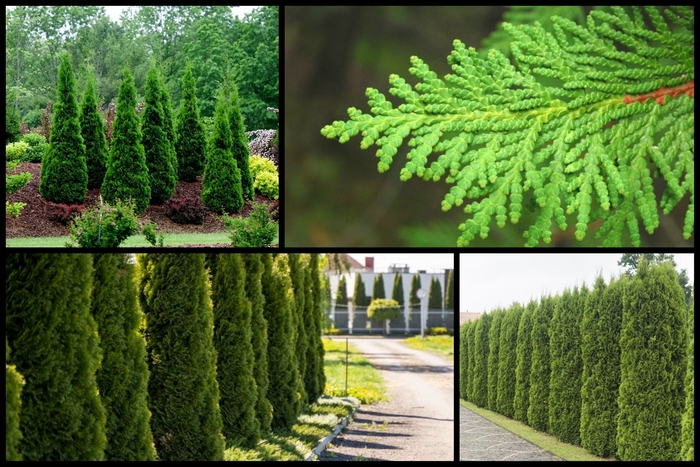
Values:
[(482, 440), (417, 423)]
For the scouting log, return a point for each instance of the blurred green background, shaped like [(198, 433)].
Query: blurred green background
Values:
[(334, 195)]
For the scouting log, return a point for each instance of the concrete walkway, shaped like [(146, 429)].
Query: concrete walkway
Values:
[(482, 440)]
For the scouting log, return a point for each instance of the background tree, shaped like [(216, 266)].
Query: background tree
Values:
[(183, 393), (359, 296), (653, 365), (123, 377), (523, 363), (378, 287), (397, 291), (688, 422), (127, 174), (538, 409), (235, 356), (494, 354), (92, 128), (296, 270), (435, 295), (449, 291), (341, 295), (481, 363), (239, 147), (162, 177), (253, 287), (64, 176), (12, 120), (507, 360), (413, 300), (55, 347), (13, 407), (190, 144), (317, 313), (221, 185)]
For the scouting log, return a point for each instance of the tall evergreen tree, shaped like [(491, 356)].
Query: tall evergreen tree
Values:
[(397, 291), (296, 269), (283, 370), (127, 174), (168, 123), (359, 296), (378, 287), (494, 354), (190, 142), (123, 376), (221, 185), (600, 350), (239, 147), (688, 421), (413, 300), (64, 176), (435, 295), (507, 360), (253, 287), (312, 333), (566, 365), (92, 128), (55, 347), (161, 173), (523, 363), (13, 408), (538, 409), (471, 362), (183, 393), (653, 365), (317, 313), (463, 360), (235, 356), (341, 295), (481, 362), (449, 291)]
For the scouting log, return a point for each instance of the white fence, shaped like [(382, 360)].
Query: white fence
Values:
[(353, 320)]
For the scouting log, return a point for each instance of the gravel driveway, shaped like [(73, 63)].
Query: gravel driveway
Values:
[(417, 423)]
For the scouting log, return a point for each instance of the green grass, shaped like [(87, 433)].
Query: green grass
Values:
[(566, 451), (441, 345), (364, 381), (134, 241)]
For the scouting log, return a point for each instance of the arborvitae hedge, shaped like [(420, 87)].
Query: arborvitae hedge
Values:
[(449, 291), (13, 407), (64, 176), (296, 270), (494, 348), (239, 148), (463, 360), (397, 290), (341, 295), (253, 287), (123, 377), (92, 128), (378, 287), (282, 365), (566, 365), (506, 360), (55, 347), (127, 174), (190, 142), (183, 393), (600, 349), (312, 331), (538, 409), (653, 365), (435, 295), (413, 301), (161, 173), (316, 387), (359, 296), (481, 360), (235, 357), (688, 422), (523, 363), (471, 361)]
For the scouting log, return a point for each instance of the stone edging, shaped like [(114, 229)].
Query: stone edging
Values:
[(312, 455)]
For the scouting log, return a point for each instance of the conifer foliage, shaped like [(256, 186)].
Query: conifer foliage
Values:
[(523, 363), (688, 423), (463, 360), (359, 296), (413, 300), (127, 174), (481, 360), (64, 176), (378, 287), (449, 291), (538, 408), (494, 354), (507, 360), (435, 294), (183, 393), (297, 273), (397, 290), (92, 128), (239, 147), (55, 347), (13, 407), (190, 142), (316, 388)]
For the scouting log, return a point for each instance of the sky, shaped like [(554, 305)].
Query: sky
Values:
[(488, 281), (430, 262)]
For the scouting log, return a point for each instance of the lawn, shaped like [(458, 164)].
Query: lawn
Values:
[(364, 382), (441, 345)]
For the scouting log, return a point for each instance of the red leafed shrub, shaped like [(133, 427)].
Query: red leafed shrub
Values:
[(185, 210), (63, 213)]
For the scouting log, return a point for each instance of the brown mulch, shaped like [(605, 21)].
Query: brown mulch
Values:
[(34, 219)]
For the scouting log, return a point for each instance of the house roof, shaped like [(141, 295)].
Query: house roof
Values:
[(344, 257)]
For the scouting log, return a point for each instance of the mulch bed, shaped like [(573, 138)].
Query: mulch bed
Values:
[(34, 219)]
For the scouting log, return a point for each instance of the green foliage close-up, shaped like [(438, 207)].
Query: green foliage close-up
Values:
[(587, 131)]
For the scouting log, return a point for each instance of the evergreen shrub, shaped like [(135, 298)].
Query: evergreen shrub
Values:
[(381, 309)]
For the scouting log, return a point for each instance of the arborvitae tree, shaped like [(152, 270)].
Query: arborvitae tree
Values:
[(435, 295), (317, 313), (183, 393), (341, 295), (64, 175), (359, 296), (239, 149), (413, 300), (282, 366), (463, 360), (653, 365), (168, 123), (312, 332), (523, 363), (449, 291), (127, 174), (190, 142), (538, 409), (235, 357), (123, 377), (55, 347), (397, 291), (566, 365), (253, 274), (92, 128), (296, 269), (378, 287), (600, 350), (471, 361), (221, 185), (161, 173), (13, 407), (481, 361), (688, 422), (494, 353), (507, 360)]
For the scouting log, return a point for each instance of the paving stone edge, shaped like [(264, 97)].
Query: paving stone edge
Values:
[(312, 455)]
